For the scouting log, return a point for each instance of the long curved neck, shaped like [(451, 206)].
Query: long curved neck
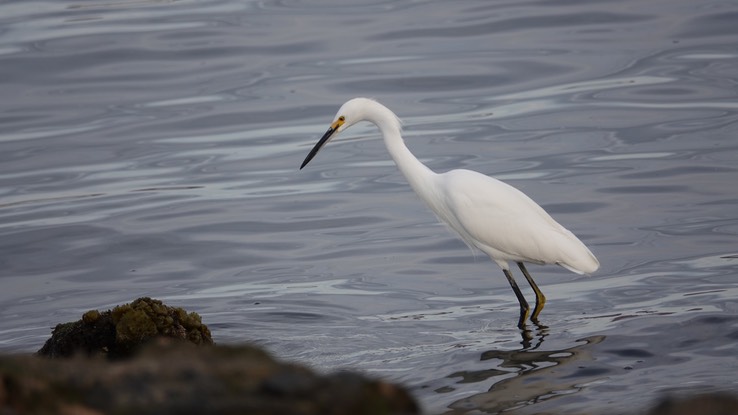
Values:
[(416, 173)]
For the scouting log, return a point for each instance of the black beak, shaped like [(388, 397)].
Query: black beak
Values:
[(318, 146)]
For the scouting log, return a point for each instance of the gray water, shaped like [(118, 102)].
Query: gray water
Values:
[(151, 148)]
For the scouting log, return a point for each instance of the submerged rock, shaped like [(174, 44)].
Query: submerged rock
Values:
[(117, 333)]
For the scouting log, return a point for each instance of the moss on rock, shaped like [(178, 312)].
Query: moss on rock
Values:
[(118, 332)]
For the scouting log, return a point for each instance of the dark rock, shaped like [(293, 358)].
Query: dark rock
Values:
[(117, 333), (140, 358), (176, 377)]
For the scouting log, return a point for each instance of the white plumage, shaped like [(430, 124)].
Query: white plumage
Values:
[(488, 214)]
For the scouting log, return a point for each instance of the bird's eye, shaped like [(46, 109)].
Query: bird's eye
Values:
[(342, 118)]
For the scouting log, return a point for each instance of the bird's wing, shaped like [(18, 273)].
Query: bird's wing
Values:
[(498, 216)]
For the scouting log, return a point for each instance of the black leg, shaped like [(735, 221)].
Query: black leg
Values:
[(540, 298), (524, 308)]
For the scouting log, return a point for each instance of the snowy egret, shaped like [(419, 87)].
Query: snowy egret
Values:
[(488, 214)]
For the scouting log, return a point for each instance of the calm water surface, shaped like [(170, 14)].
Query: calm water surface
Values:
[(152, 148)]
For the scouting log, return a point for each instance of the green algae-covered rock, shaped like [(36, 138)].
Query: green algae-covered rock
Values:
[(118, 332)]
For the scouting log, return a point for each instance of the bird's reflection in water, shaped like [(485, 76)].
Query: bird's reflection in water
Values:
[(538, 374), (533, 338)]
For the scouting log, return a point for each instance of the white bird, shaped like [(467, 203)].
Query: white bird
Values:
[(488, 214)]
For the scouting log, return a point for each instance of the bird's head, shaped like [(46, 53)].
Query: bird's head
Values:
[(350, 113)]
